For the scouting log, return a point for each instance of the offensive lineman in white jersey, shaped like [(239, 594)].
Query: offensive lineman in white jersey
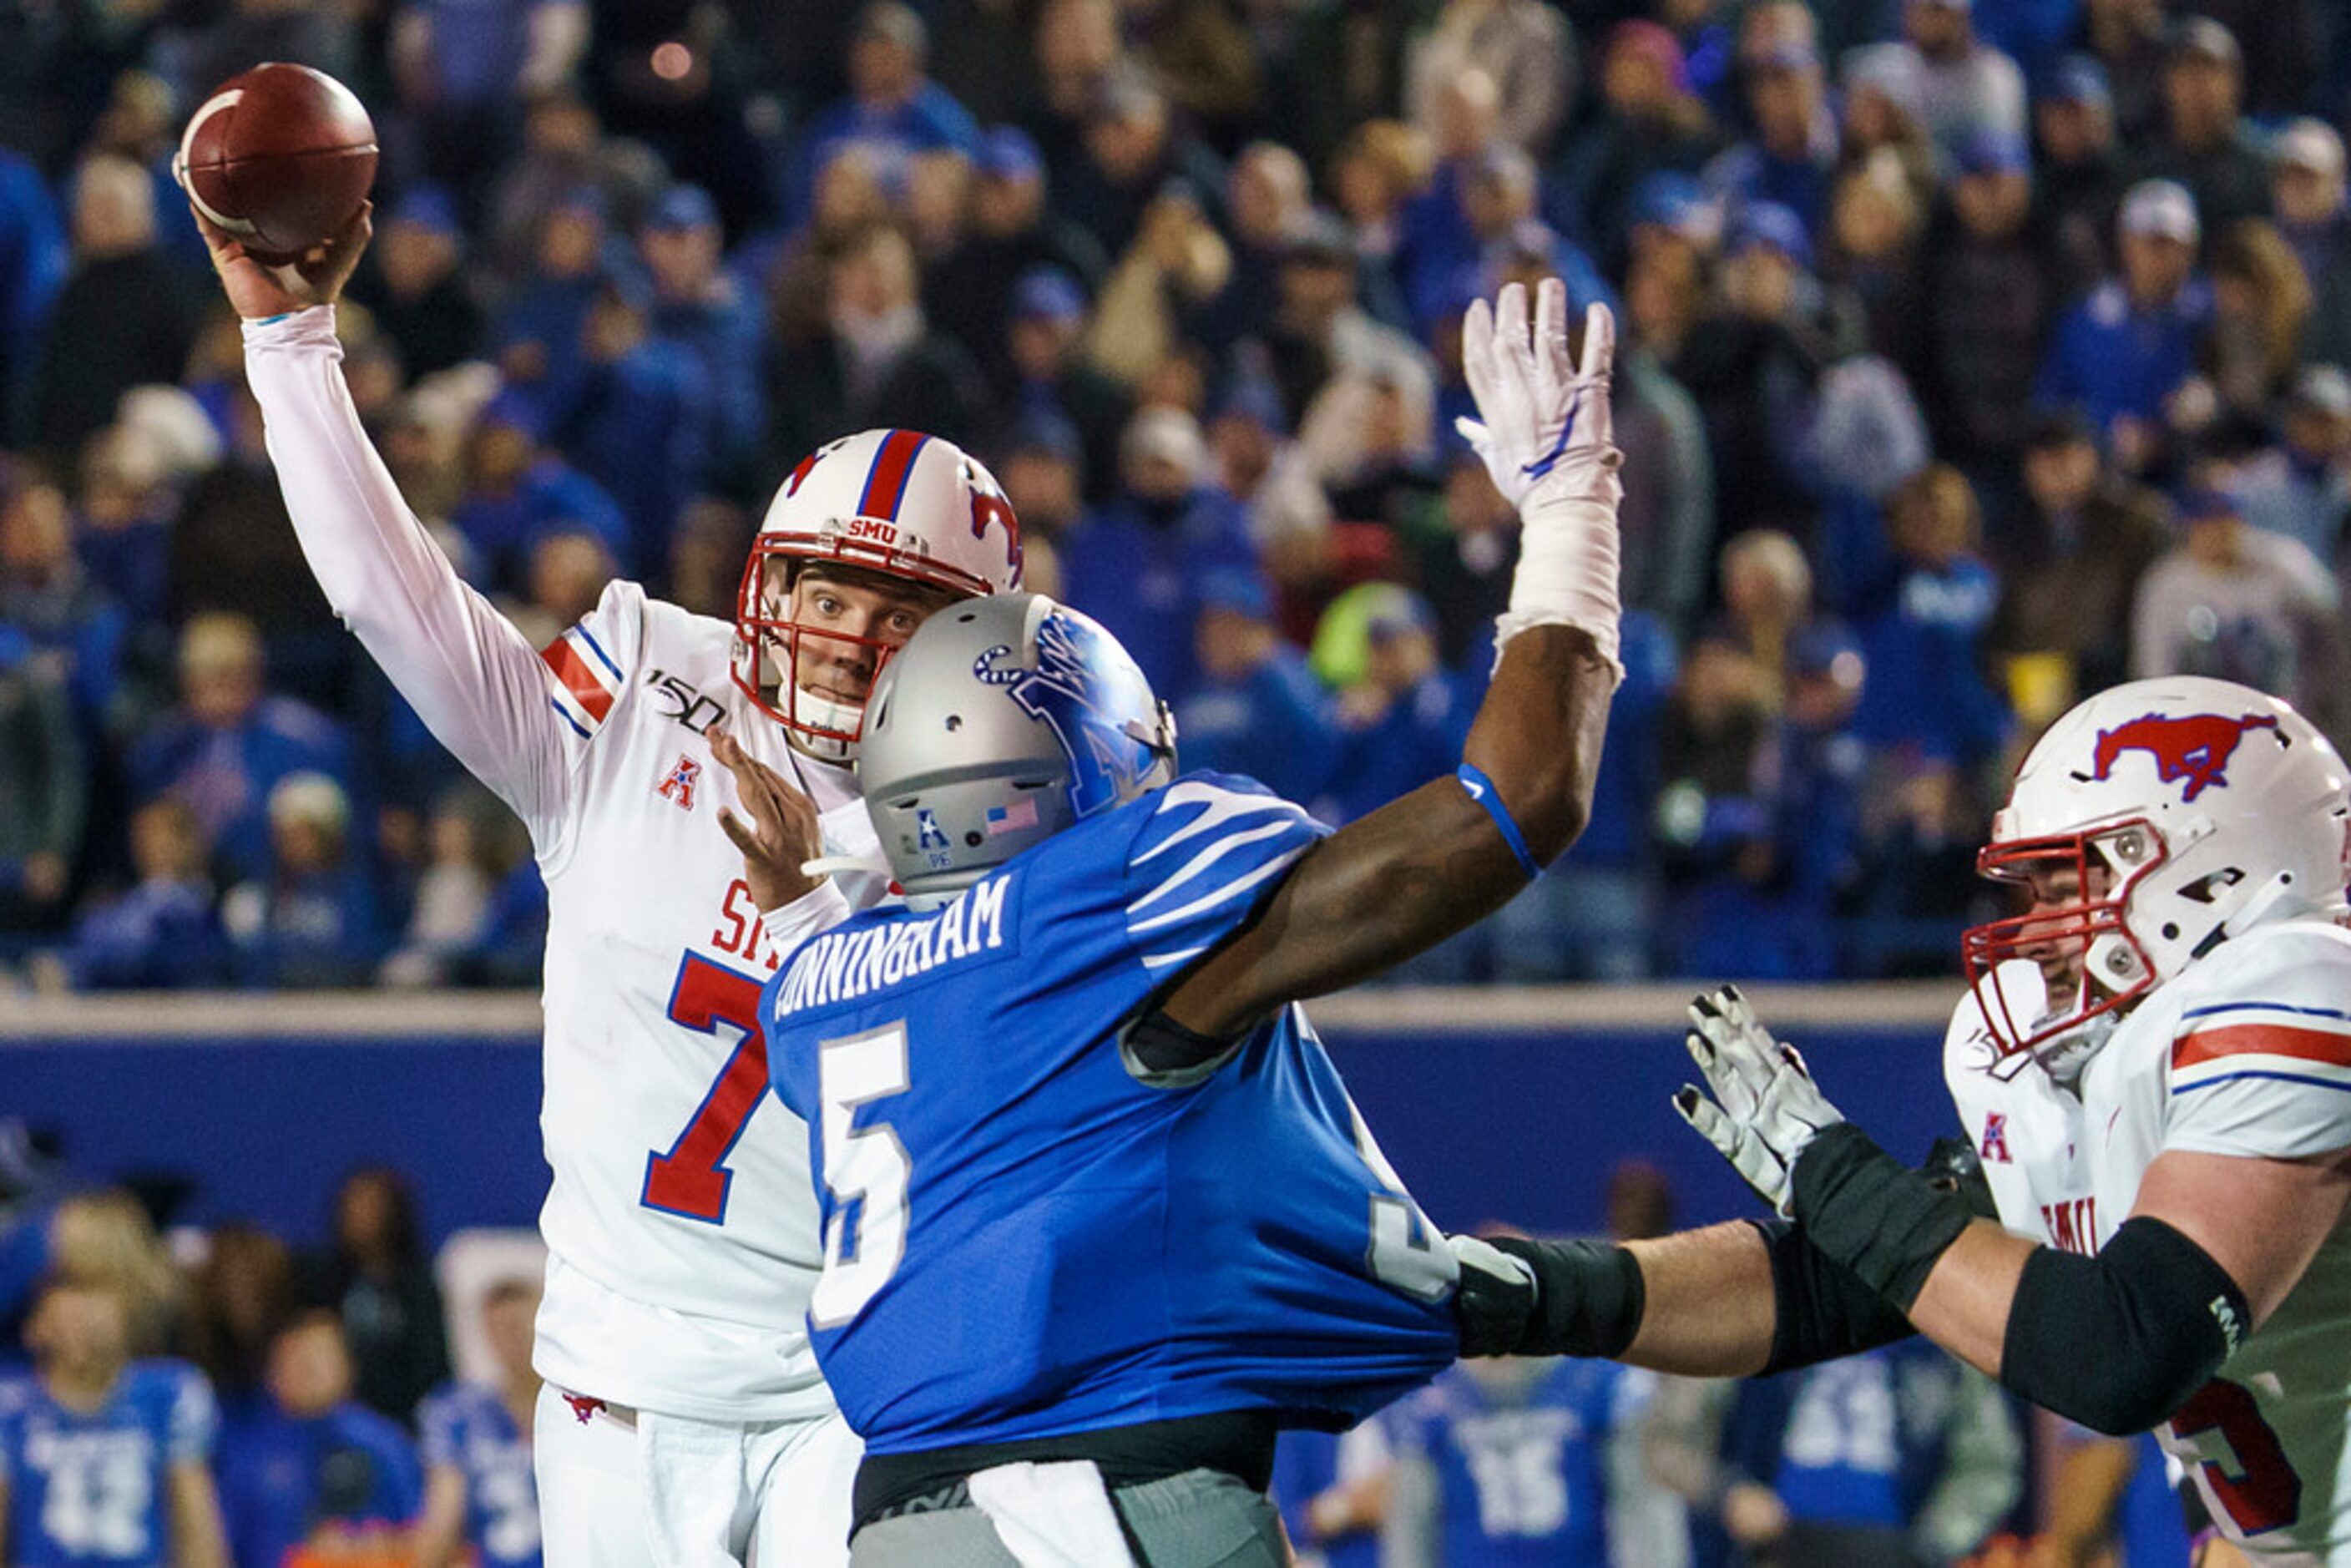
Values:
[(2155, 1071), (684, 1420)]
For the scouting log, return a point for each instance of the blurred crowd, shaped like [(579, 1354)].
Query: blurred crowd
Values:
[(1976, 356), (304, 1397)]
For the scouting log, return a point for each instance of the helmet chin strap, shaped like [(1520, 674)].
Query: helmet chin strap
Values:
[(825, 713)]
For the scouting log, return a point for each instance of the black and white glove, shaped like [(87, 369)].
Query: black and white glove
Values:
[(1765, 1108), (1494, 1304), (1546, 433)]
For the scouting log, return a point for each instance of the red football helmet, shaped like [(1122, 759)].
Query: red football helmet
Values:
[(893, 502)]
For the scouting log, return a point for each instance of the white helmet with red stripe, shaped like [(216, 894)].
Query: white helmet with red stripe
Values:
[(893, 503), (2181, 811)]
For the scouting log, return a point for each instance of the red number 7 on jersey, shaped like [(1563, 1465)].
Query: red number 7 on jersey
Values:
[(692, 1179)]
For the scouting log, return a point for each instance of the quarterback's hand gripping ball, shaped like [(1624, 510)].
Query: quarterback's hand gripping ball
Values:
[(1765, 1108)]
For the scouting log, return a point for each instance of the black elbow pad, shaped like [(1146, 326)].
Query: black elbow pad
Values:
[(2120, 1341), (1821, 1311)]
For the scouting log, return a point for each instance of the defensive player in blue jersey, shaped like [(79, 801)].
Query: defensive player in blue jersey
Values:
[(1100, 1219), (474, 1440), (102, 1459)]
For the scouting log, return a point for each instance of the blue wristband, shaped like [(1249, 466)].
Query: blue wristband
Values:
[(272, 321), (1481, 789)]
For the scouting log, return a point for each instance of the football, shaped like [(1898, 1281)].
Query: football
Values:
[(280, 157)]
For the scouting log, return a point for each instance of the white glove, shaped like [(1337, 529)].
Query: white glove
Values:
[(1547, 436), (1766, 1107)]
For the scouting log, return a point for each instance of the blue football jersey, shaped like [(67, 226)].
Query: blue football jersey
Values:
[(468, 1426), (1026, 1238), (1519, 1455), (91, 1488)]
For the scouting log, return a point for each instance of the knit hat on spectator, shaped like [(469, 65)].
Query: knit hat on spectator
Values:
[(2162, 208), (1256, 400), (1044, 433), (1994, 152), (1009, 154), (1049, 293), (429, 207), (894, 22), (683, 206), (2200, 38), (1677, 203), (2081, 78), (1395, 611), (1240, 592), (1165, 436), (1772, 226), (2310, 145)]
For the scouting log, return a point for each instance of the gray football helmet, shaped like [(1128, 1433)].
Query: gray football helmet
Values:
[(1002, 721)]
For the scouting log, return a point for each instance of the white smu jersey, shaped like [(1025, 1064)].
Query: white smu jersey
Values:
[(681, 1224), (2246, 1054)]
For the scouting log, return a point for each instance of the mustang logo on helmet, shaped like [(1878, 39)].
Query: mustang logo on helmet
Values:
[(1074, 690), (2194, 747)]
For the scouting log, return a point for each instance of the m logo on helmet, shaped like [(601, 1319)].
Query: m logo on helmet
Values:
[(2193, 747), (1091, 695)]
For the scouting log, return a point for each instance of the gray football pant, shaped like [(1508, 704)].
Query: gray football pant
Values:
[(1200, 1519)]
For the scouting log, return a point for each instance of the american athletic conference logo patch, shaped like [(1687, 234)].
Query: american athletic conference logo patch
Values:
[(2194, 747)]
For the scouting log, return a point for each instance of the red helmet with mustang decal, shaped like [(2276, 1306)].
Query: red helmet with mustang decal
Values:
[(894, 503), (2186, 809)]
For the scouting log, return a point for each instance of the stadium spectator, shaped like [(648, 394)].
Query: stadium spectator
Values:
[(2301, 487), (1513, 1456), (45, 782), (2307, 203), (1524, 47), (2128, 38), (1895, 1456), (379, 1282), (700, 310), (1434, 243), (2260, 303), (311, 920), (1987, 298), (1255, 709), (309, 1470), (2118, 355), (2070, 568), (239, 1296), (1267, 196), (1654, 123), (229, 742), (132, 320), (106, 1456), (479, 1492), (162, 934), (1051, 377), (968, 291), (1321, 328), (49, 599), (517, 490), (1921, 610), (1145, 558), (893, 112), (1404, 719), (1788, 156), (421, 298), (132, 475), (878, 364), (2205, 144), (564, 158), (451, 903), (2233, 602), (1964, 87), (1333, 1491), (643, 426), (536, 336), (34, 261), (1872, 251), (2077, 177), (1133, 149)]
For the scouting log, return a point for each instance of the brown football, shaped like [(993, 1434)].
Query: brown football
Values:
[(280, 157)]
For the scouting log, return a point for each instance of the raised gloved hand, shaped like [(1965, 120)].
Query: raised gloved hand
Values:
[(1547, 436), (1765, 1108), (1494, 1301)]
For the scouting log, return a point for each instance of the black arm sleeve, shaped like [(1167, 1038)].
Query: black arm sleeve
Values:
[(2161, 1315), (1823, 1311)]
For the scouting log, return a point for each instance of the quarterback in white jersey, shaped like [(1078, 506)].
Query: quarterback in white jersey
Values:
[(2154, 1074), (674, 772)]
